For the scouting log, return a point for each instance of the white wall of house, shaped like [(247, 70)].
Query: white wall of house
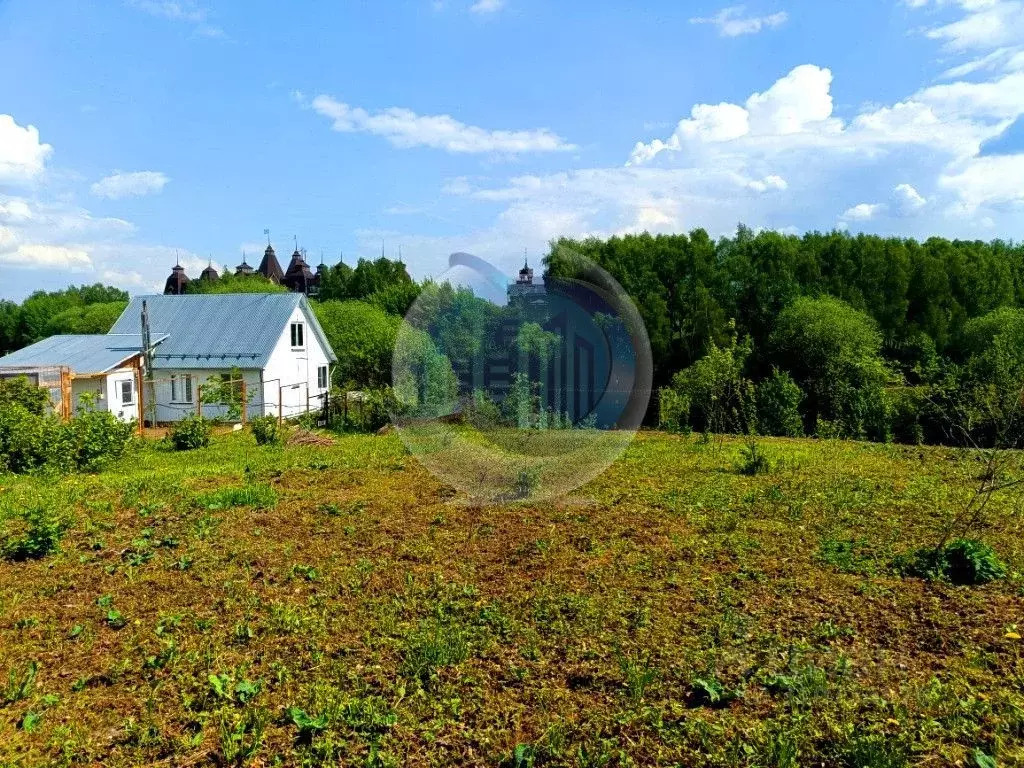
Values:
[(291, 373), (177, 393), (296, 375), (108, 393)]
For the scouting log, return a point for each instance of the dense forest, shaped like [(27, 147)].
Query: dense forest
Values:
[(830, 333)]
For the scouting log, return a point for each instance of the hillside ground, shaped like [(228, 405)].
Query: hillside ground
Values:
[(338, 605)]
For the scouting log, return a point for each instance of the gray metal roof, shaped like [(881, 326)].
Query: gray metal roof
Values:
[(218, 330), (84, 354)]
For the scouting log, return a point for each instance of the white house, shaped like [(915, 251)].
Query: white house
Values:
[(271, 342), (272, 339), (103, 371)]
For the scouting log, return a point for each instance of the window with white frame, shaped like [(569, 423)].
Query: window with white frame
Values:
[(181, 388), (321, 377), (127, 392), (298, 335)]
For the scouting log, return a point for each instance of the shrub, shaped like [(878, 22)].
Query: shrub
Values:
[(266, 430), (753, 459), (190, 433), (963, 561), (31, 533), (778, 406), (20, 391), (27, 441), (95, 438)]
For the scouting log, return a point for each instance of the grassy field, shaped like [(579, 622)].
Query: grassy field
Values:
[(338, 605)]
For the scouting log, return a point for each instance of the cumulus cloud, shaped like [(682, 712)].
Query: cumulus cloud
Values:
[(22, 155), (404, 128), (135, 184), (987, 181), (731, 22), (862, 212), (908, 199), (800, 101)]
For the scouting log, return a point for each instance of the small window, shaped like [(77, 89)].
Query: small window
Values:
[(321, 377), (298, 334), (127, 393), (181, 389)]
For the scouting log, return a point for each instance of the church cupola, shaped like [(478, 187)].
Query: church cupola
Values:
[(209, 273), (270, 267), (243, 269), (176, 282)]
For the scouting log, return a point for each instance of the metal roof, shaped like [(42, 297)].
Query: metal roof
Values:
[(224, 330), (84, 354)]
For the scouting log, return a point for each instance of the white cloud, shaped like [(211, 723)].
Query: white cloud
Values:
[(22, 156), (186, 11), (35, 255), (987, 181), (732, 23), (484, 7), (863, 212), (771, 182), (799, 102), (404, 128), (794, 103), (987, 24), (135, 184), (908, 199)]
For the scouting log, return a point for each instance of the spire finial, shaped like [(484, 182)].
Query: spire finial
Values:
[(267, 233), (526, 259), (382, 247), (177, 262), (296, 238)]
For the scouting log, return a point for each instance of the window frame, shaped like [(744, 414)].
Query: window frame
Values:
[(298, 335), (325, 382), (181, 384), (130, 392)]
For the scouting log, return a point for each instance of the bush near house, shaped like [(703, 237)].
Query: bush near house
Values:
[(190, 433), (29, 441)]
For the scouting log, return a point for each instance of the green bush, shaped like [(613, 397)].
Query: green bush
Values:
[(94, 438), (20, 391), (963, 561), (778, 406), (190, 433), (30, 533), (266, 430), (27, 441)]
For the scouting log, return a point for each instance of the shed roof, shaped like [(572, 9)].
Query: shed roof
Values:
[(226, 330), (84, 354)]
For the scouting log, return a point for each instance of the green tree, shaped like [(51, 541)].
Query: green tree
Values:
[(363, 337), (232, 283), (833, 352)]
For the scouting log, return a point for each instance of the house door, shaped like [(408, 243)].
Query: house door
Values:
[(124, 403)]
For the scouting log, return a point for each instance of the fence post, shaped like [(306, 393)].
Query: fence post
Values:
[(280, 404), (245, 403), (199, 400)]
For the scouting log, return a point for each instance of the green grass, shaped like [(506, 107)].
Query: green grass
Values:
[(240, 605)]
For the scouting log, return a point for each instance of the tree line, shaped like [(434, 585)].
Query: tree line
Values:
[(828, 333)]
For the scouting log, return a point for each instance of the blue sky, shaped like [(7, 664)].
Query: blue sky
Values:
[(134, 130)]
